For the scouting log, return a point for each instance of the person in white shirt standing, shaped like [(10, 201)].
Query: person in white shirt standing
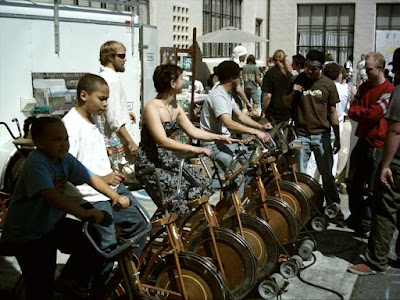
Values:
[(116, 117)]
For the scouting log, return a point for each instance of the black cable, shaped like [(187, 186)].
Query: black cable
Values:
[(318, 286)]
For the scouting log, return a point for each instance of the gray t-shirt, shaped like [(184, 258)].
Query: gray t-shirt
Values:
[(393, 113), (219, 102)]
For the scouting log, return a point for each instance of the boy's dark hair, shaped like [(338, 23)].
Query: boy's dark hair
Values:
[(89, 83), (39, 124), (227, 69), (251, 59), (315, 55), (332, 70), (299, 60), (163, 75)]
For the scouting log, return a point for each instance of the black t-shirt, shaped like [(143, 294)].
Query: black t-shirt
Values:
[(278, 85)]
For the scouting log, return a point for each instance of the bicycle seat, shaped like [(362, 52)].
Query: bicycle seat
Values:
[(198, 201), (165, 220), (23, 142)]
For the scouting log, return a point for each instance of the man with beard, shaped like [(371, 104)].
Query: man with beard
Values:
[(116, 117)]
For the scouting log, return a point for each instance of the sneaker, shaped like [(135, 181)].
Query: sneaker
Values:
[(362, 270)]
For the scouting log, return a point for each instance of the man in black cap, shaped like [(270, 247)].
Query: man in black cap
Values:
[(217, 112), (386, 204), (313, 101)]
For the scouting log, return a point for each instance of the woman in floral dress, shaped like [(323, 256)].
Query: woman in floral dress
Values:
[(161, 117)]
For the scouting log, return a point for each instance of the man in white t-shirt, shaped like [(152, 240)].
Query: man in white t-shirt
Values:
[(116, 117)]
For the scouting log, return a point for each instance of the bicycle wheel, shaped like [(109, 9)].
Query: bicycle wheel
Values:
[(200, 277), (236, 255), (261, 239), (281, 217), (311, 187), (293, 195)]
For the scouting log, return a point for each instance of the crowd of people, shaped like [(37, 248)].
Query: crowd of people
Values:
[(70, 171)]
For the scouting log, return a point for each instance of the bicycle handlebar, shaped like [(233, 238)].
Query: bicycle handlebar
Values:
[(131, 243), (9, 130)]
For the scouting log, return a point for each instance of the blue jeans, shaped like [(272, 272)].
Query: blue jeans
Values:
[(223, 154), (320, 145), (129, 219)]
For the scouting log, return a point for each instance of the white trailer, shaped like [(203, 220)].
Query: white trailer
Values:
[(39, 42)]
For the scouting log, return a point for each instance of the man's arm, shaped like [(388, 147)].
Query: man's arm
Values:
[(392, 142), (373, 112), (242, 95), (334, 120), (266, 100), (288, 99), (128, 139), (255, 128)]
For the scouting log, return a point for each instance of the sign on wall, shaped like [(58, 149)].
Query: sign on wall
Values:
[(386, 42)]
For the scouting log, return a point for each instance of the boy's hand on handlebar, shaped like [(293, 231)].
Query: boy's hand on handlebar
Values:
[(121, 202), (114, 178), (93, 215)]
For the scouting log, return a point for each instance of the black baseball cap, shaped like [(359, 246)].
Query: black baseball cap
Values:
[(228, 69)]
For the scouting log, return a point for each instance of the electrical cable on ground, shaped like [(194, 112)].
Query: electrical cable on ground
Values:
[(316, 285)]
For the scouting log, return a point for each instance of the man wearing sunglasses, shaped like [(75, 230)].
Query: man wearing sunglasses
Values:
[(116, 117), (313, 102)]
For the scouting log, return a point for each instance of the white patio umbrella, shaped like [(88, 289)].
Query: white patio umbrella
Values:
[(230, 34)]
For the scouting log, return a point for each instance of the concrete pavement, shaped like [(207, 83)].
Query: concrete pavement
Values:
[(325, 278)]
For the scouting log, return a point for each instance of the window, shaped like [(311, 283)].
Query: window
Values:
[(258, 32), (216, 15), (328, 28), (388, 17)]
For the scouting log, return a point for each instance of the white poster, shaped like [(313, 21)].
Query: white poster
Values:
[(386, 42)]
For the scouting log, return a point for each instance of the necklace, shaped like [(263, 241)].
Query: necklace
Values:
[(169, 111)]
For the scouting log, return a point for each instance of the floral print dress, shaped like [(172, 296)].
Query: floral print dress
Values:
[(166, 163)]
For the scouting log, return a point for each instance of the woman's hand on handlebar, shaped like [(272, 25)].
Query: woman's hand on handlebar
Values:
[(202, 150)]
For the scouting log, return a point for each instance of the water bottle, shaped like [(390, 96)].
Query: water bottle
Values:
[(114, 143)]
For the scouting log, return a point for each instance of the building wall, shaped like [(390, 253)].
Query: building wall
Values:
[(161, 15), (283, 24)]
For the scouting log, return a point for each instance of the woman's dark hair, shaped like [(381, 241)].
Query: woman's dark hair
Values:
[(251, 59), (38, 126), (316, 55), (299, 60), (163, 75)]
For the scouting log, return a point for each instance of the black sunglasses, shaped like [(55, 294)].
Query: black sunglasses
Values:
[(121, 55)]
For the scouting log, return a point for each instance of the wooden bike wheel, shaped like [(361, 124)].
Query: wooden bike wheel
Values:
[(260, 237), (200, 277), (293, 195), (312, 189), (236, 256), (281, 217)]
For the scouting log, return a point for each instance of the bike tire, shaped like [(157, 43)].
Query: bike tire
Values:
[(293, 195), (3, 211), (281, 217), (261, 239), (236, 255), (201, 278), (312, 188)]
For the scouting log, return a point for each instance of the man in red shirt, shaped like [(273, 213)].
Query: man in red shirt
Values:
[(368, 109)]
